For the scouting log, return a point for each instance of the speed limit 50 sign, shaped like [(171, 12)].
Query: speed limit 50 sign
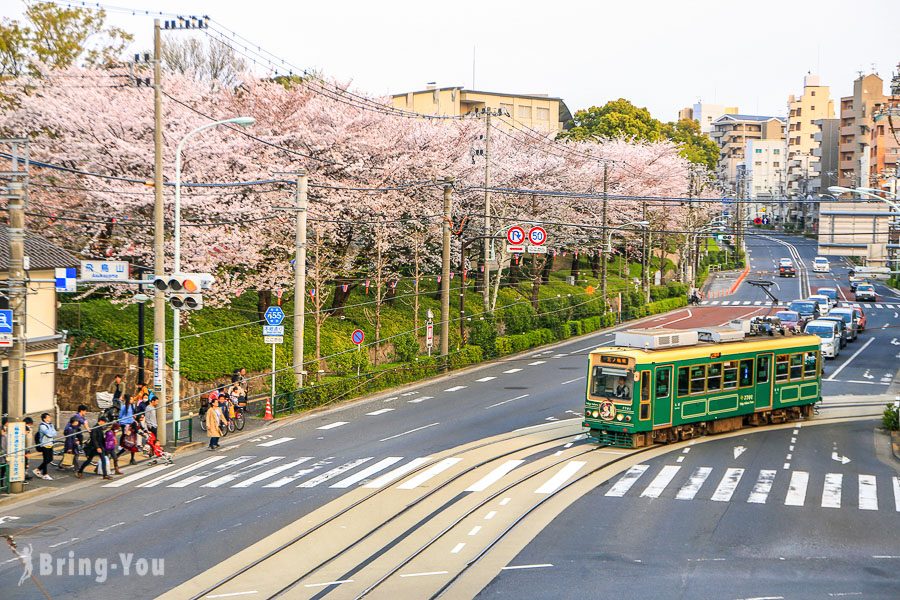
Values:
[(537, 236)]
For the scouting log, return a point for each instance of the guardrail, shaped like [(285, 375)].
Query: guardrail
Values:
[(179, 430), (4, 478)]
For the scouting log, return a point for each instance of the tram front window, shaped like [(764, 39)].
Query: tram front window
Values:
[(613, 383)]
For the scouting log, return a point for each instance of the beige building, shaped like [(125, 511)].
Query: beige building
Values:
[(884, 148), (731, 133), (856, 130), (535, 111), (764, 160), (858, 228), (42, 258), (706, 114), (802, 166)]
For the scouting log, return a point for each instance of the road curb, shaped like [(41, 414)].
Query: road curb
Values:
[(895, 444)]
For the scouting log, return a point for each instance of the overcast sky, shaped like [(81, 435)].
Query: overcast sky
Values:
[(662, 54)]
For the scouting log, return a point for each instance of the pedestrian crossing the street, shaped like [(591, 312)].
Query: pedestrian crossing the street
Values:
[(766, 486)]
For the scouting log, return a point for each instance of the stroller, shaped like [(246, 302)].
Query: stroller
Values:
[(155, 452)]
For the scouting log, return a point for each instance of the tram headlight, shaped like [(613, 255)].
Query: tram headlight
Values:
[(595, 414)]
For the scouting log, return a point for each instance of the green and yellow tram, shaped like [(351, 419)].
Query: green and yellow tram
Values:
[(660, 386)]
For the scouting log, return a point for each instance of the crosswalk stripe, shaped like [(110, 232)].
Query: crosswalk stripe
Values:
[(428, 473), (690, 489), (626, 481), (746, 303), (563, 475), (831, 491), (868, 493), (370, 470), (396, 473), (240, 472), (178, 472), (796, 495), (327, 475), (897, 493), (762, 487), (879, 306), (271, 472), (494, 476), (271, 443), (726, 487), (283, 481), (136, 476), (726, 302), (757, 303), (714, 302), (659, 483), (216, 469), (867, 305)]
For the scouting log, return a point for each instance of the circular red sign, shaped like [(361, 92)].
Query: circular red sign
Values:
[(537, 236), (515, 235), (357, 336)]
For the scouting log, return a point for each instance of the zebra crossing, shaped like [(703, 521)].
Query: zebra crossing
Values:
[(833, 490), (766, 303)]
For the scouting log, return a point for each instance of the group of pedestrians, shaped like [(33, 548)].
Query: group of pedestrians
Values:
[(221, 405)]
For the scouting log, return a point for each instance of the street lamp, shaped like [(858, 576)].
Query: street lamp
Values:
[(837, 189), (176, 325), (641, 224)]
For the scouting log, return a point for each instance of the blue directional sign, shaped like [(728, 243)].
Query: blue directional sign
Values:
[(6, 320), (274, 315)]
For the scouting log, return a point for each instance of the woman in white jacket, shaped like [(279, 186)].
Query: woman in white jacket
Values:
[(45, 434)]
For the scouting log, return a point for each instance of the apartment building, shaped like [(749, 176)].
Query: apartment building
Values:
[(540, 112), (802, 166), (885, 140), (731, 132), (827, 134), (764, 160), (706, 114), (856, 130)]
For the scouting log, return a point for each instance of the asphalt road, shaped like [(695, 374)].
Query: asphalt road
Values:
[(211, 505)]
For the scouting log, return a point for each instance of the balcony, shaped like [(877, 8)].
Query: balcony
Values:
[(847, 165), (849, 130)]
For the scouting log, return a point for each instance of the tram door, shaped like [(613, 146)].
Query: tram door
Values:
[(763, 388), (662, 396)]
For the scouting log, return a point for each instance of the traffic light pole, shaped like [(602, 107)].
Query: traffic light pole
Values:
[(445, 269), (159, 224)]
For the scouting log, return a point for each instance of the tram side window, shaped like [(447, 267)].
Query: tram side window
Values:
[(662, 382), (683, 381), (762, 369), (797, 366), (714, 379), (810, 367), (645, 395), (731, 375), (698, 379), (781, 367), (746, 372)]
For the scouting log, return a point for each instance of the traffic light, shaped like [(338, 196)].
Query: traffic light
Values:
[(184, 289)]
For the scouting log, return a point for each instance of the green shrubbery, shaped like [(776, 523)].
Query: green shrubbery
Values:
[(890, 420)]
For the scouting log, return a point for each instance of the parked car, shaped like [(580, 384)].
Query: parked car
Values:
[(807, 309), (850, 319), (844, 330), (821, 265), (823, 301), (790, 319), (831, 293), (830, 334), (787, 271), (866, 291), (861, 317)]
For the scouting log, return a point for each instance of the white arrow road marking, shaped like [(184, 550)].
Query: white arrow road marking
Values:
[(894, 342), (738, 450), (868, 375), (841, 459), (6, 518)]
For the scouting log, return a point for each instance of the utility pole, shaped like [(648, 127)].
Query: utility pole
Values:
[(645, 254), (603, 256), (159, 224), (445, 269), (486, 279), (17, 190), (300, 274)]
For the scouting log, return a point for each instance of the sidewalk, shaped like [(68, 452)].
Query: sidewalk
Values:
[(720, 284)]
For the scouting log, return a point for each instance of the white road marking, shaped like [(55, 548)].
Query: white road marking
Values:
[(849, 360), (494, 476), (108, 527), (299, 473), (879, 306), (428, 473), (178, 472), (326, 583), (536, 363), (327, 475), (505, 501), (831, 491), (216, 469), (868, 493), (796, 495), (391, 437), (424, 574), (232, 594), (512, 370), (271, 472), (626, 481), (137, 476), (490, 515), (240, 472), (456, 388), (332, 425), (540, 566), (679, 459), (458, 547), (375, 413), (726, 302), (195, 499), (483, 379), (65, 542), (897, 493), (572, 380), (396, 473), (786, 466), (275, 442), (420, 399), (370, 470), (563, 475), (727, 486), (690, 489), (475, 530), (505, 401), (738, 450), (659, 483)]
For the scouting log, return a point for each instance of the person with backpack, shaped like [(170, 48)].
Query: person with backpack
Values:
[(44, 440), (128, 442), (72, 433), (95, 447)]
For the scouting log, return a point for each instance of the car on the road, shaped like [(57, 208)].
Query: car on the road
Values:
[(807, 309), (831, 293), (850, 320), (790, 319), (786, 270), (821, 265), (785, 261), (860, 317), (845, 334), (823, 301), (866, 291), (830, 333)]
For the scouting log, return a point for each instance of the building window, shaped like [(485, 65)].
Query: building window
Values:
[(524, 112), (543, 114), (758, 163), (776, 151), (759, 150), (812, 93), (507, 108), (812, 108), (776, 164)]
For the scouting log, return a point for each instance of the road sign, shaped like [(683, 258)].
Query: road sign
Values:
[(15, 432), (62, 356), (6, 320), (66, 279), (536, 250), (104, 270), (274, 315), (273, 339), (429, 334), (537, 236), (357, 336), (6, 340), (515, 235), (515, 249), (157, 365), (269, 330)]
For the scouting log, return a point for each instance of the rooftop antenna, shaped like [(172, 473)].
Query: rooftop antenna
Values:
[(473, 66)]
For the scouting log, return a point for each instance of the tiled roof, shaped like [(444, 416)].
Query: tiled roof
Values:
[(41, 252)]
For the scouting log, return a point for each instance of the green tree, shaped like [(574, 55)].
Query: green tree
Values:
[(695, 146), (615, 119), (58, 37)]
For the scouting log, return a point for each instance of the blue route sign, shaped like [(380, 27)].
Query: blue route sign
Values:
[(274, 315), (6, 320)]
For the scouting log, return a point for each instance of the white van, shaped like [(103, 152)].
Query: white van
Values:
[(829, 332), (821, 265)]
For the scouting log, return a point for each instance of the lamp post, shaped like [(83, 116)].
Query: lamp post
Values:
[(176, 324)]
